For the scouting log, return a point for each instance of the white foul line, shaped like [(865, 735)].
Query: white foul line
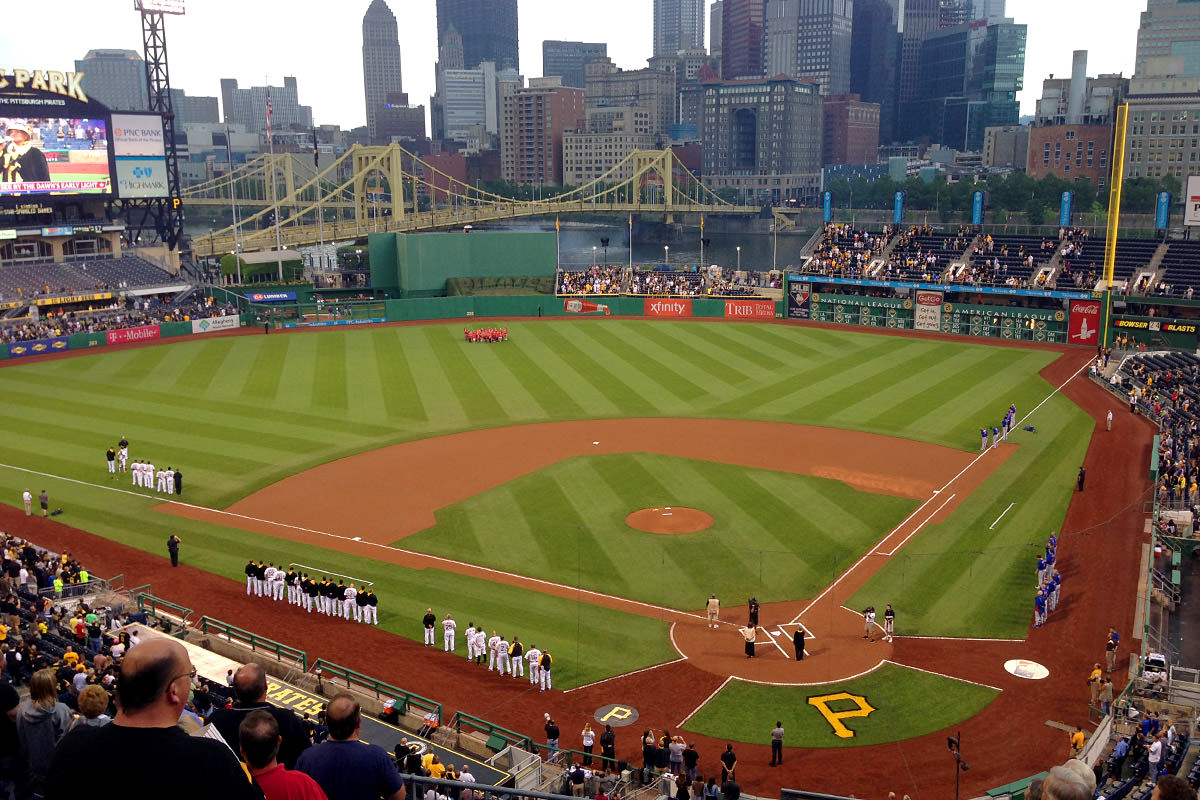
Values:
[(773, 641), (917, 529), (944, 675), (704, 702), (1002, 513), (625, 675)]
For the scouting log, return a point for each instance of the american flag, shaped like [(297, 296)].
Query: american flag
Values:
[(268, 114)]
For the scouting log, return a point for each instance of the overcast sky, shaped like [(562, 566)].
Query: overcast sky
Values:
[(259, 41)]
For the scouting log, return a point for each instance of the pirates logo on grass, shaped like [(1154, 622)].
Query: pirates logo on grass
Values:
[(823, 703)]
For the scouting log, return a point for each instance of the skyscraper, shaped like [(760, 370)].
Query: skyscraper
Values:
[(810, 39), (678, 25), (488, 29), (742, 28), (715, 14), (116, 78), (1170, 35), (567, 59), (919, 20), (381, 60), (874, 59)]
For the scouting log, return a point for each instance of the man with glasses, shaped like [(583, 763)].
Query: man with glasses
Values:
[(157, 759)]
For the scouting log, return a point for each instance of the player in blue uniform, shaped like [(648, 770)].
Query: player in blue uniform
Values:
[(982, 439)]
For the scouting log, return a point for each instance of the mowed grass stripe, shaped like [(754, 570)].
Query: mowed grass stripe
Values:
[(202, 366), (506, 379), (961, 369), (677, 344), (262, 378), (542, 388), (135, 365), (831, 396), (463, 378), (564, 375), (724, 349), (660, 383), (603, 381), (329, 389), (401, 400)]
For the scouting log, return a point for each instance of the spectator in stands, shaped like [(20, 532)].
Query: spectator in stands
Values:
[(41, 722), (346, 768), (250, 691), (12, 766), (1173, 787), (93, 705), (1065, 784), (259, 741), (156, 758)]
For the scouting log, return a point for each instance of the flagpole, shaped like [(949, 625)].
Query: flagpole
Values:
[(557, 246), (631, 244), (274, 198)]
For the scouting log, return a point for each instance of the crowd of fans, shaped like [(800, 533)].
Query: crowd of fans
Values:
[(846, 252), (595, 280), (140, 312)]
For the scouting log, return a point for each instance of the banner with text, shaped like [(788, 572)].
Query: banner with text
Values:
[(143, 334), (37, 347), (929, 311), (750, 309), (1191, 208), (667, 307), (270, 297), (1083, 326), (216, 324), (799, 300)]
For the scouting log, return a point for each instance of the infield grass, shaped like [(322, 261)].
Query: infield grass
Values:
[(236, 414), (907, 703)]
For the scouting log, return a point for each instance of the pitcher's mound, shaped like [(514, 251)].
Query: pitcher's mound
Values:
[(669, 519)]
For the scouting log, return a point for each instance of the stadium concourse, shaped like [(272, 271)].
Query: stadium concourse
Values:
[(1008, 740)]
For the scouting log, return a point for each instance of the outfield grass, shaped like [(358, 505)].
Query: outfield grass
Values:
[(237, 414), (908, 703), (775, 536)]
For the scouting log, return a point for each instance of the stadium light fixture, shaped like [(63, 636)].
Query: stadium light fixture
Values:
[(160, 6)]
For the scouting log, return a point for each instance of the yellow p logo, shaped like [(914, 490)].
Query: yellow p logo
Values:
[(861, 709), (617, 713)]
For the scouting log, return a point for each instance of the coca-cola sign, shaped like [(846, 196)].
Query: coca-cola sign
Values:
[(1083, 326)]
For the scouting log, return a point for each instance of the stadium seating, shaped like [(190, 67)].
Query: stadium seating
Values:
[(845, 252), (48, 279), (1132, 255), (1181, 267)]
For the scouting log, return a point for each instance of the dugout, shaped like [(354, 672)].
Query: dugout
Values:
[(412, 265)]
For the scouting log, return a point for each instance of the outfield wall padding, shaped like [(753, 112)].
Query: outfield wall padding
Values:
[(82, 341)]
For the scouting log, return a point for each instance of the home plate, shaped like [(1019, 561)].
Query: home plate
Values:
[(774, 633)]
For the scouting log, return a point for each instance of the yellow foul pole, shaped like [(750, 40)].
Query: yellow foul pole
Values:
[(1114, 195)]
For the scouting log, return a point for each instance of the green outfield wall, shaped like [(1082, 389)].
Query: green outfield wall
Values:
[(412, 265)]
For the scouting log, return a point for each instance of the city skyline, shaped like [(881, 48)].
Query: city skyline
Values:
[(1106, 28)]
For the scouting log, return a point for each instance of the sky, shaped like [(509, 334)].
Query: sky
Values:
[(259, 41)]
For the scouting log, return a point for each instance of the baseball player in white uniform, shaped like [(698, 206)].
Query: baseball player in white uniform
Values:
[(349, 601), (544, 671), (148, 476), (470, 637), (491, 646), (269, 579), (516, 658), (448, 626), (533, 656), (135, 473), (480, 642), (502, 655), (160, 480), (122, 458)]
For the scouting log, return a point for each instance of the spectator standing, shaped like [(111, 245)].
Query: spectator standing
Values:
[(12, 769), (1173, 787), (44, 499), (173, 549), (250, 690), (152, 691), (1154, 757), (608, 747), (691, 758), (1077, 740), (588, 737), (1106, 694), (258, 741), (41, 722), (346, 768), (728, 765)]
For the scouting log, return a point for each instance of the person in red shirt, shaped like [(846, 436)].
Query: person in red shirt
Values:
[(258, 740)]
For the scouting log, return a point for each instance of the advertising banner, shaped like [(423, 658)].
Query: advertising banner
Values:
[(216, 324), (928, 311), (142, 177), (575, 306), (1162, 211), (1064, 209), (827, 206), (143, 334), (1083, 327), (138, 135), (37, 347), (1191, 209), (270, 297), (898, 208), (977, 209), (799, 300), (667, 307), (750, 309)]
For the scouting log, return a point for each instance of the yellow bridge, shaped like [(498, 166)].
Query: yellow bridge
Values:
[(376, 189)]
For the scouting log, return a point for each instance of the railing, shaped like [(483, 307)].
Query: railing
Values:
[(331, 673), (162, 609), (492, 731), (215, 627)]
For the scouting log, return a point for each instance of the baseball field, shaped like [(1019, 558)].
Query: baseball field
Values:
[(493, 481)]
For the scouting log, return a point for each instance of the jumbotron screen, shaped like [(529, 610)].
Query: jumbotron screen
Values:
[(52, 155)]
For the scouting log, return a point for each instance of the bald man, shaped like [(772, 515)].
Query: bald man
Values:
[(250, 693), (346, 768), (145, 743)]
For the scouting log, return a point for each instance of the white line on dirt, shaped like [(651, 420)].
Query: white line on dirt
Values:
[(704, 702), (625, 675), (944, 675)]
